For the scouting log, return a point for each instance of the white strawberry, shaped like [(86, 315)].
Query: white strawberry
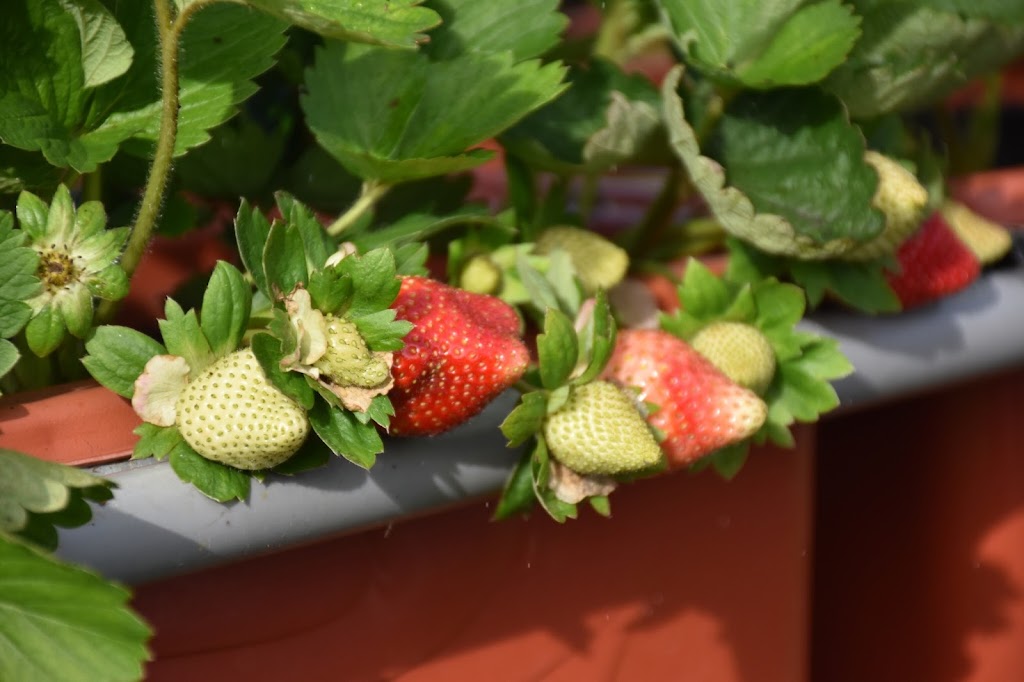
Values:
[(232, 414), (740, 351), (901, 198), (600, 431)]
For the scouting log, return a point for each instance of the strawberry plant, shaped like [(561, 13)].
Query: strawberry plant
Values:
[(377, 289)]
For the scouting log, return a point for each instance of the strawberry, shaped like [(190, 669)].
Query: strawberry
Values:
[(988, 241), (232, 414), (740, 351), (599, 263), (933, 263), (600, 432), (463, 351), (347, 360), (481, 275), (698, 408), (901, 198)]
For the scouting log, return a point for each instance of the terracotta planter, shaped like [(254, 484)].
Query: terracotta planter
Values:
[(78, 424), (693, 578), (920, 539)]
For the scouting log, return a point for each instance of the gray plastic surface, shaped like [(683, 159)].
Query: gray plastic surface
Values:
[(157, 526)]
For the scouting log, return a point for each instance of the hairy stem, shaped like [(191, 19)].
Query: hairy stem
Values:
[(169, 29), (371, 193)]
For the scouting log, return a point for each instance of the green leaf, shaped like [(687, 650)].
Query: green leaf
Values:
[(215, 480), (600, 337), (557, 349), (381, 331), (380, 412), (420, 226), (223, 48), (268, 352), (42, 85), (798, 183), (527, 29), (61, 622), (18, 281), (526, 420), (375, 282), (796, 155), (913, 53), (330, 289), (804, 395), (251, 232), (862, 286), (21, 170), (240, 159), (729, 460), (999, 10), (601, 504), (31, 486), (118, 355), (45, 331), (318, 244), (106, 52), (111, 283), (184, 338), (227, 303), (517, 497), (13, 317), (396, 23), (763, 44), (702, 294), (397, 116), (155, 441), (345, 435), (284, 259), (823, 358), (312, 455), (605, 117), (8, 356), (540, 292)]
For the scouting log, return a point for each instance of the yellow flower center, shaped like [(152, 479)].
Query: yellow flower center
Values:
[(57, 269)]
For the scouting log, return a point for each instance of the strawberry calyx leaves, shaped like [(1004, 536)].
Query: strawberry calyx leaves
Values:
[(805, 363), (569, 356)]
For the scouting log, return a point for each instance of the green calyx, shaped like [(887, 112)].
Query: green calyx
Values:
[(348, 361)]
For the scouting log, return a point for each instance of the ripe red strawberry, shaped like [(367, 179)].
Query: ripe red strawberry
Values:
[(933, 263), (698, 408), (464, 350)]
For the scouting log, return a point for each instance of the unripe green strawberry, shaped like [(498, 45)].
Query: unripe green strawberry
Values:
[(599, 263), (901, 198), (599, 431), (988, 241), (232, 414), (480, 275), (347, 360), (740, 351)]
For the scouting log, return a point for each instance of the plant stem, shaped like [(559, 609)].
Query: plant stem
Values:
[(156, 183), (658, 216), (169, 29), (372, 192), (92, 185)]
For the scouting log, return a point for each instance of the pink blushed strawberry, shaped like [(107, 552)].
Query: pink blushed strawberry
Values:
[(697, 408)]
